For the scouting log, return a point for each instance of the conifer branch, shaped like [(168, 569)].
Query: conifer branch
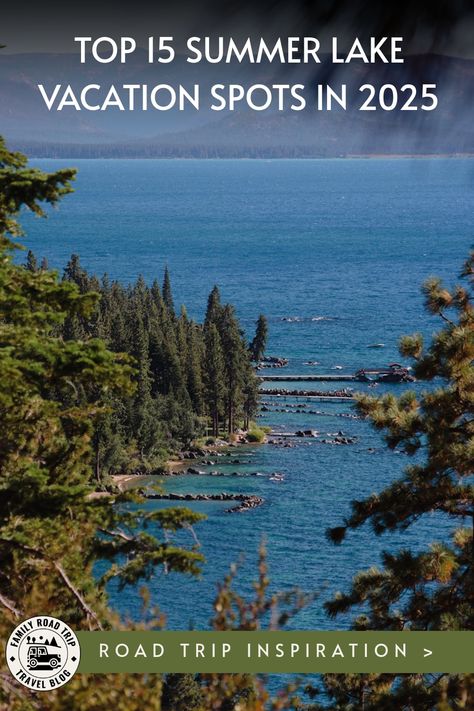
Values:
[(88, 610), (37, 553), (117, 534), (446, 319), (9, 605)]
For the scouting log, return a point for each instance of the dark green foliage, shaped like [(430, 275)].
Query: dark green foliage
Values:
[(214, 307), (231, 385), (58, 406), (236, 363), (25, 187), (259, 343), (430, 589), (250, 396), (214, 376), (181, 692), (94, 376), (167, 293), (186, 374), (31, 262)]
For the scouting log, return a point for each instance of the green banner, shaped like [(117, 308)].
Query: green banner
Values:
[(276, 652)]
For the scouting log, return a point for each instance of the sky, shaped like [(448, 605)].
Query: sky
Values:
[(443, 27), (49, 26)]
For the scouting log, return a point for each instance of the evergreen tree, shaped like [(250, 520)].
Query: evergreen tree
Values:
[(53, 529), (23, 186), (174, 392), (119, 337), (172, 379), (214, 307), (143, 414), (214, 377), (251, 396), (431, 589), (259, 343), (157, 298), (74, 272), (194, 368), (103, 325), (78, 326), (235, 359), (167, 292), (108, 441), (182, 692), (182, 337), (31, 262)]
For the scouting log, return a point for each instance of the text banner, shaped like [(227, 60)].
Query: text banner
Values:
[(276, 652)]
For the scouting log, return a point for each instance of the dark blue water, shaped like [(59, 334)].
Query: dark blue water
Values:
[(347, 240)]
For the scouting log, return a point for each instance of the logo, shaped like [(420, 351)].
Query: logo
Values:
[(43, 653)]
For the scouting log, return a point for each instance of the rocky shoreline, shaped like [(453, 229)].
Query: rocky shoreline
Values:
[(245, 501), (192, 471), (272, 362), (284, 392), (189, 462), (299, 409)]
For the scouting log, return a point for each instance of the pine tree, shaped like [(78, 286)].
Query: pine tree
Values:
[(182, 692), (157, 298), (251, 396), (108, 441), (120, 337), (214, 377), (31, 262), (77, 326), (432, 589), (259, 343), (214, 307), (172, 353), (167, 292), (172, 379), (74, 272), (146, 427), (52, 529), (195, 367), (182, 328), (23, 186), (235, 358), (103, 321)]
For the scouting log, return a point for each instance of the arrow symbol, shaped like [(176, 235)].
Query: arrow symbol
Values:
[(427, 652)]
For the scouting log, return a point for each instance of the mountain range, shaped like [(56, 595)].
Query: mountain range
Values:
[(28, 125)]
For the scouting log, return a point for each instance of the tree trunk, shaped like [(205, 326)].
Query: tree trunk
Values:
[(230, 415), (97, 462)]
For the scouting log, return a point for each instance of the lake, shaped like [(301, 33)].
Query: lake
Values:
[(333, 252)]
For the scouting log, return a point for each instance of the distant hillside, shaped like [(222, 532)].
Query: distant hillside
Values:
[(26, 122)]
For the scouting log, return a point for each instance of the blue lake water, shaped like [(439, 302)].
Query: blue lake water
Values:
[(347, 240)]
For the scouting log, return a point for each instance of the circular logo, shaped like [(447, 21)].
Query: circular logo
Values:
[(43, 653)]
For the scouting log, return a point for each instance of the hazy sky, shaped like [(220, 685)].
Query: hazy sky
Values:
[(49, 26)]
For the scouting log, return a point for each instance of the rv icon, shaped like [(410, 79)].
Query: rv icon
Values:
[(38, 654)]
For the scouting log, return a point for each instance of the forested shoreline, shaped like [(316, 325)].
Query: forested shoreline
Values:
[(140, 151), (192, 380)]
